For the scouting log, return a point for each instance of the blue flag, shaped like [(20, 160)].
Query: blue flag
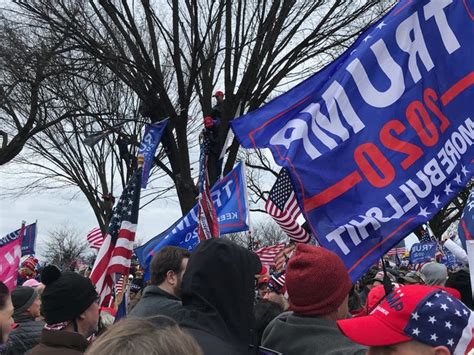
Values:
[(379, 140), (466, 223), (29, 239), (230, 200), (150, 141), (422, 252)]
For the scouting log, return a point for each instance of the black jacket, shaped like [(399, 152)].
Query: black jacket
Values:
[(25, 336), (156, 302), (218, 297)]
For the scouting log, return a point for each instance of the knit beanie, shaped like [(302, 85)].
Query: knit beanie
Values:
[(435, 273), (22, 299), (317, 281), (66, 295)]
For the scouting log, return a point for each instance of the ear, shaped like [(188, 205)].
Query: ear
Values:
[(442, 350), (171, 277)]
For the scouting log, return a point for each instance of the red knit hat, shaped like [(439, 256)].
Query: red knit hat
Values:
[(317, 281)]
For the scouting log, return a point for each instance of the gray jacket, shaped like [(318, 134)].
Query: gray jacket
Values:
[(25, 336), (295, 335), (154, 302)]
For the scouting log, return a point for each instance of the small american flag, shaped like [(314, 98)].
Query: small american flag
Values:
[(95, 238), (267, 254), (281, 260), (115, 254), (208, 225), (283, 207), (440, 319), (396, 251)]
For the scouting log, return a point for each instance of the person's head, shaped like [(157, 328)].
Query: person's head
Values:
[(69, 298), (26, 300), (461, 281), (139, 336), (265, 311), (317, 283), (219, 95), (276, 291), (262, 286), (414, 319), (220, 278), (167, 269), (6, 313), (435, 273), (378, 279), (413, 278)]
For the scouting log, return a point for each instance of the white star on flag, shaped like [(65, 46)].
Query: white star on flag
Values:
[(429, 304), (458, 313), (415, 316), (464, 170), (434, 337), (444, 306), (423, 212), (447, 189), (432, 319), (458, 179), (451, 342), (448, 325), (436, 201), (415, 331), (381, 24)]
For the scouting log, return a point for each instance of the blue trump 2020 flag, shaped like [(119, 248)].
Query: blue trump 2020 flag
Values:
[(381, 139), (150, 141), (29, 239), (466, 223), (230, 200)]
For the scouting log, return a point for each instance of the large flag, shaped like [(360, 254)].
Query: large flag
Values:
[(150, 141), (208, 226), (115, 254), (10, 255), (381, 139), (95, 238), (267, 254), (466, 223), (283, 207), (29, 238), (230, 198)]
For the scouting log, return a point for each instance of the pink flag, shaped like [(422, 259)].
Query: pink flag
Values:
[(10, 254)]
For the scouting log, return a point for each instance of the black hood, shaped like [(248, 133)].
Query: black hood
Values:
[(218, 289)]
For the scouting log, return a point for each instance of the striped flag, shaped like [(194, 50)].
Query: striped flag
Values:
[(119, 286), (396, 251), (208, 224), (267, 254), (95, 238), (283, 207), (114, 257), (283, 256)]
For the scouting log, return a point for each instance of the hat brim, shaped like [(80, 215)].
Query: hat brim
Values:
[(370, 331)]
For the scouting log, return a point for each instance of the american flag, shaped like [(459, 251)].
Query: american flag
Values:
[(283, 207), (95, 238), (208, 225), (396, 251), (440, 319), (115, 254), (281, 260), (119, 286), (267, 254)]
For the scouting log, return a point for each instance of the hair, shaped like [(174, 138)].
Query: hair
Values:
[(139, 336), (461, 281), (167, 259), (265, 311), (4, 295)]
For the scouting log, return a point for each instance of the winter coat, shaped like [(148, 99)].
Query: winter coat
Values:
[(25, 336), (154, 302), (218, 297), (295, 335), (60, 342)]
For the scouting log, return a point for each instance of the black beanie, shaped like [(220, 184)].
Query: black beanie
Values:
[(66, 295), (22, 298)]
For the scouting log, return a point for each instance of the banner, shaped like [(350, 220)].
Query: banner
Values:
[(381, 139), (29, 239), (10, 255), (150, 141), (230, 199), (422, 252)]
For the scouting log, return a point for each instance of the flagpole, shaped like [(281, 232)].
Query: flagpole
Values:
[(250, 231)]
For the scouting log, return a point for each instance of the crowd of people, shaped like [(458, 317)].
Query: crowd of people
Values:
[(219, 299)]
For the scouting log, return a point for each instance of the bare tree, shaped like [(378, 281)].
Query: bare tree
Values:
[(64, 248), (174, 54), (264, 233)]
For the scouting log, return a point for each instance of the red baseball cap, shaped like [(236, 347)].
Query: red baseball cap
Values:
[(415, 312), (218, 93)]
